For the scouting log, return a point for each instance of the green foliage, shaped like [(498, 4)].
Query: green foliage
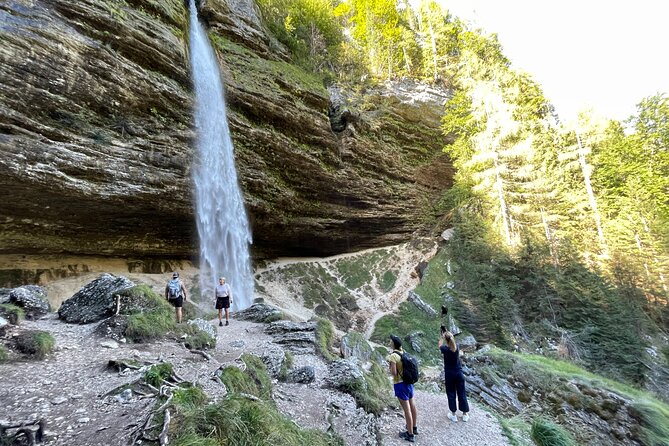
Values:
[(190, 397), (35, 343), (308, 27), (144, 327), (409, 318), (241, 421), (286, 365), (253, 381), (551, 376), (197, 339), (325, 339), (546, 433), (654, 422), (375, 394), (4, 355), (158, 373), (13, 313)]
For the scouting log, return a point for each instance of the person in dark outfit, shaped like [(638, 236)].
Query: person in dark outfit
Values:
[(455, 380)]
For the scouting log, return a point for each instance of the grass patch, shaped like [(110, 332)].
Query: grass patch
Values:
[(236, 420), (13, 313), (190, 397), (325, 339), (545, 373), (516, 430), (158, 373), (375, 395), (36, 343), (197, 339), (144, 327), (4, 355), (253, 381), (286, 365), (546, 433)]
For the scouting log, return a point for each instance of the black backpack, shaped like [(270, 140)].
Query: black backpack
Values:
[(409, 368)]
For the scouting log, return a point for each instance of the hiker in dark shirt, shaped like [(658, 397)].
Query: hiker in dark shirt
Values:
[(175, 293), (455, 380)]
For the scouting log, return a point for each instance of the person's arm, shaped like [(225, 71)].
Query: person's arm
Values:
[(167, 292), (441, 342), (183, 289), (393, 369)]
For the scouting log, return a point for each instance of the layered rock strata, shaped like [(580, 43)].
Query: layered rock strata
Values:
[(96, 136)]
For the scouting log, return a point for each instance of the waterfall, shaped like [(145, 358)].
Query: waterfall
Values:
[(222, 224)]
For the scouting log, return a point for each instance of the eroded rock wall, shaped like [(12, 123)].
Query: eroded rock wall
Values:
[(96, 136)]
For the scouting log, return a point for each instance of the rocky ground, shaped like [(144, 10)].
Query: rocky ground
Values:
[(74, 391)]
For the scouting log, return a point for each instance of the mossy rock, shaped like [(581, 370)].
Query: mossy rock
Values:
[(35, 343), (13, 313)]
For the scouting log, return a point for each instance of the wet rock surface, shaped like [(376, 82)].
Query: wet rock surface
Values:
[(258, 312), (97, 129), (94, 301)]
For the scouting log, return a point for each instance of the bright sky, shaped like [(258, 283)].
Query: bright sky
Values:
[(607, 55)]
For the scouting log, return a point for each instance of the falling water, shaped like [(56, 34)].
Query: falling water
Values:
[(221, 218)]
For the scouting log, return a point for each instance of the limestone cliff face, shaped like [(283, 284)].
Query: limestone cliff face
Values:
[(96, 136)]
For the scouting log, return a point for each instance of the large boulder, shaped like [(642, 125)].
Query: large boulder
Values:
[(259, 312), (345, 374), (32, 299), (95, 301), (273, 358), (302, 375), (354, 345)]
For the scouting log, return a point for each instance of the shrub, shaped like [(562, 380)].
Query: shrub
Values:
[(546, 433), (13, 313), (654, 422), (254, 381), (4, 355), (36, 343), (190, 397), (241, 421), (373, 392), (143, 327), (286, 365), (158, 373), (325, 339)]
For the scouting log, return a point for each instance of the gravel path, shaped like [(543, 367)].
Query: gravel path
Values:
[(69, 390), (435, 429)]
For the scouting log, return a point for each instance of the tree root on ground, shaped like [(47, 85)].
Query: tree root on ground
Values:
[(32, 431)]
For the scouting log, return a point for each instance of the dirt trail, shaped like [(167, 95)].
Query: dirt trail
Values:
[(68, 390)]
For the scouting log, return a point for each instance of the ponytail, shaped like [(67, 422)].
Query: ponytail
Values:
[(450, 341)]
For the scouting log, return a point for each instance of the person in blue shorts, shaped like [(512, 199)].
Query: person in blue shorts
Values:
[(403, 392)]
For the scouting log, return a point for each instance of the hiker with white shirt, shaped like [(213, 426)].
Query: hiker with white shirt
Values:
[(223, 301)]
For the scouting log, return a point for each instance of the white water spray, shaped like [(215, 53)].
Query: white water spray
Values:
[(222, 223)]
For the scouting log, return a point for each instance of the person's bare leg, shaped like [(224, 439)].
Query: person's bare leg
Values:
[(179, 315), (220, 315), (227, 315), (414, 413), (408, 418)]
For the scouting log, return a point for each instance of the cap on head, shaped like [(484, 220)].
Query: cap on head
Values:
[(397, 342), (175, 275)]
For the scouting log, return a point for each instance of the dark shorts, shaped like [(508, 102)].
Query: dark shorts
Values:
[(177, 302), (403, 391), (222, 302)]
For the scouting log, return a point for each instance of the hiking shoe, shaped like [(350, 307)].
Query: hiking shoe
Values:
[(452, 417), (465, 417), (408, 437), (227, 322), (220, 323), (415, 430)]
